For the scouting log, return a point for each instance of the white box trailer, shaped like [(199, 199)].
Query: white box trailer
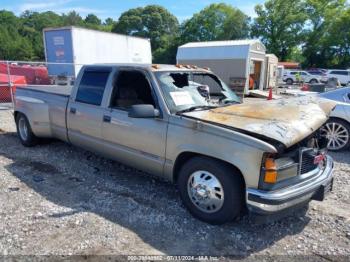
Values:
[(85, 46), (233, 61)]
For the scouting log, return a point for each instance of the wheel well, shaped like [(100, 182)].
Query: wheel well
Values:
[(185, 156), (338, 118), (15, 114)]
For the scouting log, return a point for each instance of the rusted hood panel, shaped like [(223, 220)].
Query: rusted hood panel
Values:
[(287, 121)]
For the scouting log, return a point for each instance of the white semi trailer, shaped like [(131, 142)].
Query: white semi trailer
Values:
[(65, 46)]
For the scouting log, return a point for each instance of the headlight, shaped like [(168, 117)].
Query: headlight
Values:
[(274, 169)]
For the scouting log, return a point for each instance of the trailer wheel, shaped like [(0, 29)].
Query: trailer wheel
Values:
[(24, 131)]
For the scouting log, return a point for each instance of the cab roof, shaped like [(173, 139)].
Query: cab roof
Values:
[(159, 67)]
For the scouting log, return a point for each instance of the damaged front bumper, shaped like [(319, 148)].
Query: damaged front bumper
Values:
[(278, 202)]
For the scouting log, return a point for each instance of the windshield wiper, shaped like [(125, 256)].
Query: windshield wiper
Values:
[(193, 108)]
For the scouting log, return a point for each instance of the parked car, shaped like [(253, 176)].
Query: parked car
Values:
[(186, 125), (343, 76), (337, 128), (317, 71), (290, 77)]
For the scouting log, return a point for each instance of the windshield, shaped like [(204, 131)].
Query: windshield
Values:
[(187, 90)]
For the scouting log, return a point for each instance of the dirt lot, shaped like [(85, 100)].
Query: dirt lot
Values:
[(56, 199)]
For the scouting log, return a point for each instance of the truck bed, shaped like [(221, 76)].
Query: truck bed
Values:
[(45, 106), (51, 89)]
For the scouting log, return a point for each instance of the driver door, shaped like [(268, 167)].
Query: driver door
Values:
[(138, 142)]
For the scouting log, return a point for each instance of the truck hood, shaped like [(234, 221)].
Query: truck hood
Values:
[(287, 120)]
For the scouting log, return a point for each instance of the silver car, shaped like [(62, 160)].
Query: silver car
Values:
[(337, 129)]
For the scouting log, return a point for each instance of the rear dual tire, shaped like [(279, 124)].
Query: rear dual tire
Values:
[(24, 131)]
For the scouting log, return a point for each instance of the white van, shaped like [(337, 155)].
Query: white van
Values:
[(343, 76)]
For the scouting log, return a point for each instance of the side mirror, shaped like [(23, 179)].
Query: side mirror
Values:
[(143, 111)]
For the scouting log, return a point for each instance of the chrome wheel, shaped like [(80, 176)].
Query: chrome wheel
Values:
[(337, 135), (23, 128), (205, 191)]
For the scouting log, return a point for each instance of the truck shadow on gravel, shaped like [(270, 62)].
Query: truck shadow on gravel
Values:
[(341, 157), (151, 208)]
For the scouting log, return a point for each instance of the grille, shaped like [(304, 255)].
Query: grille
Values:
[(307, 161)]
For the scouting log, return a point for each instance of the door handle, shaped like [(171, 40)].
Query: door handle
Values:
[(72, 110), (106, 119)]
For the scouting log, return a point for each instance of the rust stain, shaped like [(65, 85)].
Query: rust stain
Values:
[(287, 121)]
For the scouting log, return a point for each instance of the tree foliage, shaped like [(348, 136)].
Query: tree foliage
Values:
[(153, 22), (320, 33), (313, 32), (216, 22), (280, 25)]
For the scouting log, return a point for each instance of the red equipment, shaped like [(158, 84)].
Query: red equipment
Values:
[(5, 93), (35, 75)]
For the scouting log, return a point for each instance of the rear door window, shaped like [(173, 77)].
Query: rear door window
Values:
[(92, 86)]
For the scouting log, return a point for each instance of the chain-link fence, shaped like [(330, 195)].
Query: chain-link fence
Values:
[(14, 74)]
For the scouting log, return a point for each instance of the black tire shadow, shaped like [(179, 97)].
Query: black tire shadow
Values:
[(149, 207)]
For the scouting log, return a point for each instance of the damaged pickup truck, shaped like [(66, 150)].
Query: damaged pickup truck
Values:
[(184, 124)]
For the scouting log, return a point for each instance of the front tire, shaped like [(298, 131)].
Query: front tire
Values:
[(337, 132), (313, 81), (24, 131), (289, 81), (212, 191)]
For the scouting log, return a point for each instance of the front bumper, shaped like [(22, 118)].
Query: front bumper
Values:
[(261, 202)]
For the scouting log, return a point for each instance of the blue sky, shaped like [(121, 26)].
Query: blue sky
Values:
[(182, 9)]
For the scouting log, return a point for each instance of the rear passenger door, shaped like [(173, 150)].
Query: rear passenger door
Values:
[(138, 142), (84, 112)]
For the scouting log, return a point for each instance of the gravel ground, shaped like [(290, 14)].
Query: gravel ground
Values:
[(57, 199)]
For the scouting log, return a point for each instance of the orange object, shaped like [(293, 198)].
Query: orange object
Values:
[(270, 171), (36, 75), (5, 93), (251, 82), (270, 94)]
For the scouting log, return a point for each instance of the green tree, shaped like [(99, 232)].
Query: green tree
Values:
[(280, 25), (72, 19), (12, 45), (338, 41), (216, 22), (92, 21), (317, 44), (154, 22), (109, 21)]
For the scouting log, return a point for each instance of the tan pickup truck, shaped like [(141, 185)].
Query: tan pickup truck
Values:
[(185, 124)]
